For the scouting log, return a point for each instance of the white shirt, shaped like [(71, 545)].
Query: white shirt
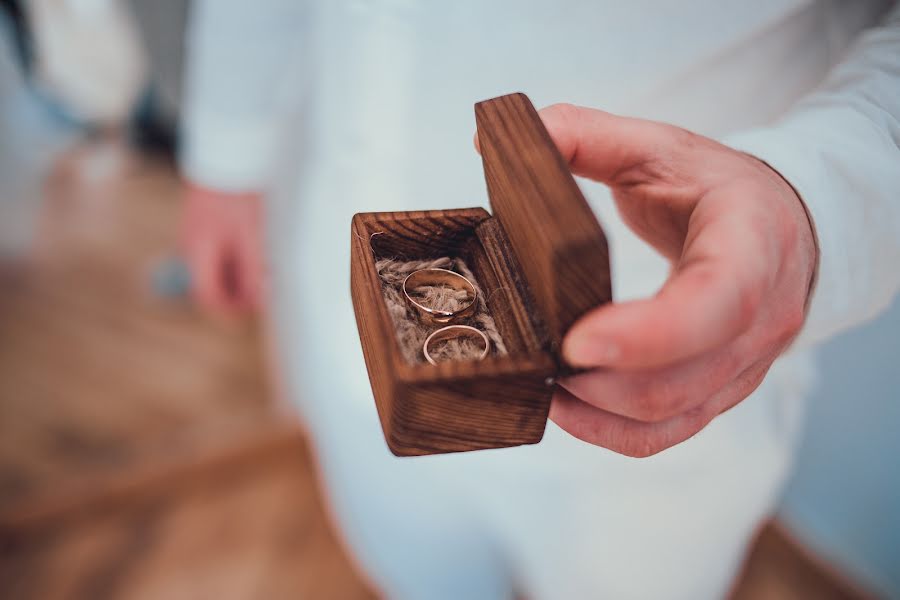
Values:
[(348, 107)]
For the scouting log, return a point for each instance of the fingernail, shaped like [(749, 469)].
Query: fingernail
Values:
[(590, 351)]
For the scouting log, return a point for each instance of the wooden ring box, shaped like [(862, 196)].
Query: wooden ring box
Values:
[(542, 261)]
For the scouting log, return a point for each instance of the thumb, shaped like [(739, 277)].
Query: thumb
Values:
[(600, 145)]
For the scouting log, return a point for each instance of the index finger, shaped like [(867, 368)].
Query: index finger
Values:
[(598, 144)]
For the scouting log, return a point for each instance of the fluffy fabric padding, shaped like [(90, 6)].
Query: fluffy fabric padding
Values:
[(412, 329)]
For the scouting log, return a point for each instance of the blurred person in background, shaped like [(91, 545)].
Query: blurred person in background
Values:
[(81, 69), (299, 115), (66, 67), (86, 56), (101, 66)]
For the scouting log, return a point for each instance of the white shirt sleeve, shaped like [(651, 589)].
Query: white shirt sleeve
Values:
[(244, 80), (840, 149)]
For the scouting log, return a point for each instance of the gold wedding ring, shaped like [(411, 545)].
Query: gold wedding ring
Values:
[(437, 278), (453, 332)]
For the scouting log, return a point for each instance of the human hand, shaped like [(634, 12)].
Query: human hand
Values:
[(743, 257), (222, 239)]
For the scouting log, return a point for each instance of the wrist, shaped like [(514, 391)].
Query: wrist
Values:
[(809, 243)]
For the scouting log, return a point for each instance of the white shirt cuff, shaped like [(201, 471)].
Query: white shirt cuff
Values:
[(803, 168)]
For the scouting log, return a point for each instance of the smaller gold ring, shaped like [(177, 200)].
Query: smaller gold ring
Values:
[(436, 277), (455, 331)]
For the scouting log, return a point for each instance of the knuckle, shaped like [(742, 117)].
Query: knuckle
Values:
[(561, 114), (795, 320), (755, 380), (644, 447), (791, 324), (685, 138), (747, 383), (565, 110), (750, 302), (790, 233)]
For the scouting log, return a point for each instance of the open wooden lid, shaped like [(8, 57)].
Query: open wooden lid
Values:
[(553, 231)]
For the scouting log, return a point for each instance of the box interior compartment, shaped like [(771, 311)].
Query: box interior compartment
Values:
[(479, 240)]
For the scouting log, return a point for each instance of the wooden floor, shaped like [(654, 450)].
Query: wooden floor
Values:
[(141, 453)]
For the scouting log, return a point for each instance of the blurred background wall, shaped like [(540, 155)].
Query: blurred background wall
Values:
[(844, 499)]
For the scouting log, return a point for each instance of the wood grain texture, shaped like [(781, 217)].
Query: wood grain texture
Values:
[(553, 231), (458, 406), (142, 454), (511, 302), (253, 528), (146, 382), (542, 261)]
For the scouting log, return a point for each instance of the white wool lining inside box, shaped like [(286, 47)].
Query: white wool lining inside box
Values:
[(412, 329)]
